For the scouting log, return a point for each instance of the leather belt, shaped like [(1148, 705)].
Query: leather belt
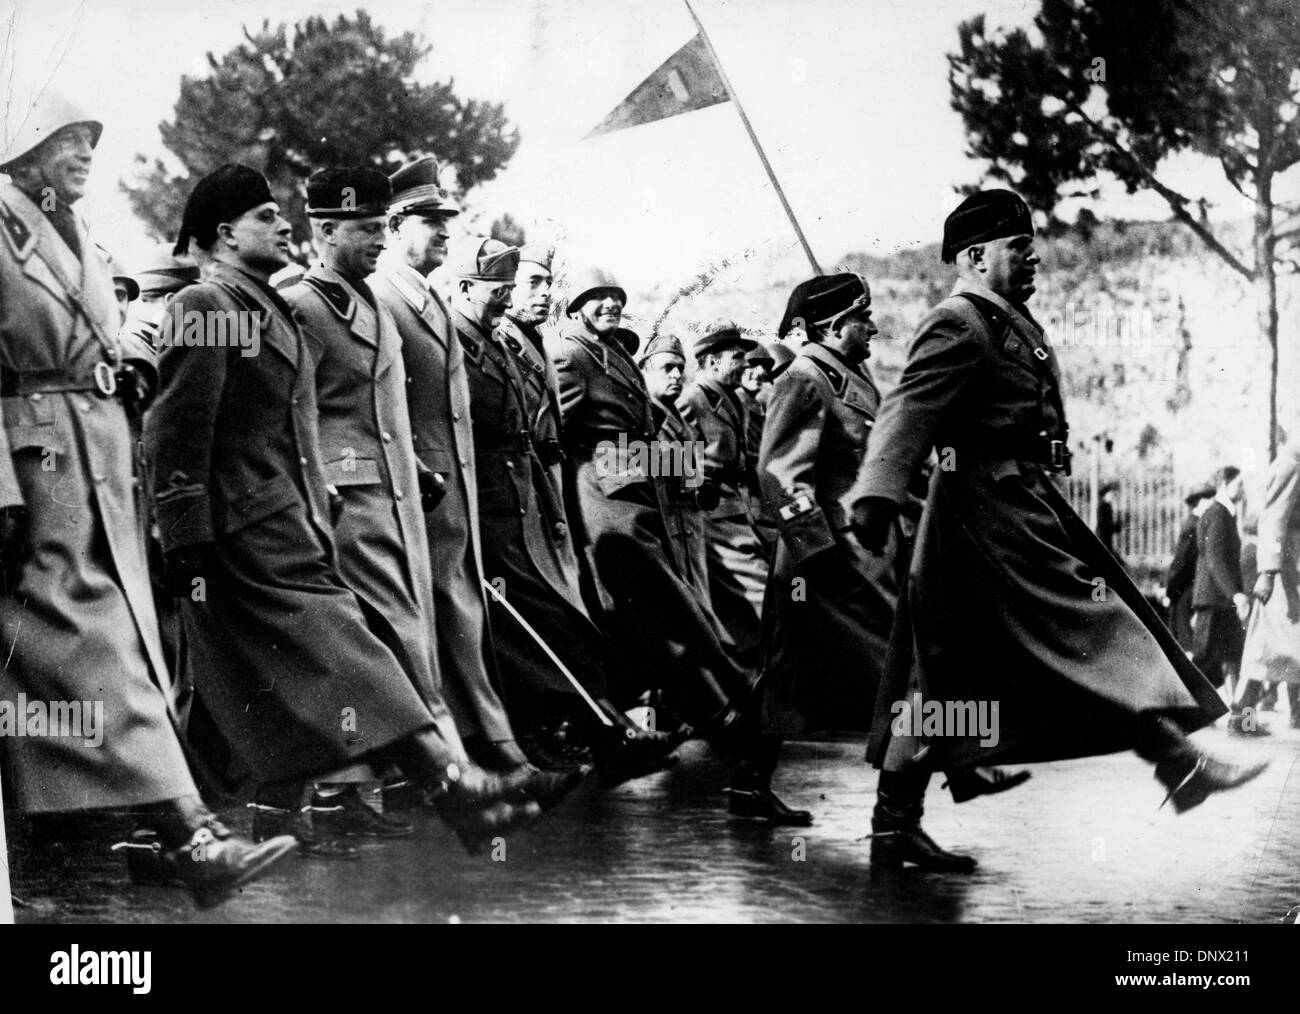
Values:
[(548, 451), (1053, 454), (20, 383)]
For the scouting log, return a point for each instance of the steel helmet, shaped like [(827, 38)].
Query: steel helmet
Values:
[(24, 130), (589, 281)]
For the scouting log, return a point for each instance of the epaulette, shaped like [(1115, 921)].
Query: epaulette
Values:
[(21, 238), (334, 294)]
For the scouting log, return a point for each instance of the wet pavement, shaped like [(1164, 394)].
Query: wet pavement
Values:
[(1082, 841)]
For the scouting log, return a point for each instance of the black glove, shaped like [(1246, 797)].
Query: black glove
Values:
[(872, 518), (185, 563), (708, 496), (15, 523), (433, 487)]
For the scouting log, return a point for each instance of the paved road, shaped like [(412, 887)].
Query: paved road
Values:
[(1083, 841)]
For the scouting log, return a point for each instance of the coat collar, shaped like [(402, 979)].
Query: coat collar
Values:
[(420, 297), (279, 332), (1030, 331), (852, 384), (611, 357)]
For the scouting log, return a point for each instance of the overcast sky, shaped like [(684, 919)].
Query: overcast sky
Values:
[(850, 98)]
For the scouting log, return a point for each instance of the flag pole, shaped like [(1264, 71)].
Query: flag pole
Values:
[(731, 92)]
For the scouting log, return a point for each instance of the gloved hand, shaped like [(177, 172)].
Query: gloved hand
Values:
[(185, 563), (433, 487), (872, 518), (1264, 586), (15, 524), (135, 388), (708, 496)]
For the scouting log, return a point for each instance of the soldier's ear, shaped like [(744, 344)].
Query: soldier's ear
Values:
[(226, 235)]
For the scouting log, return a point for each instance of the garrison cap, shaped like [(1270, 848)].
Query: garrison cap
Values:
[(221, 196), (537, 253), (984, 216), (662, 345), (417, 190), (348, 192), (821, 301), (722, 334), (482, 259), (31, 127)]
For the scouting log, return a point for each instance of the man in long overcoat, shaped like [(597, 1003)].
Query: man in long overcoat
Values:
[(283, 656), (76, 613), (1011, 599), (737, 560), (608, 434)]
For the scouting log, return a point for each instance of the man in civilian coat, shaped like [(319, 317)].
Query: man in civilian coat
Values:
[(282, 651), (1011, 598), (1272, 652), (1220, 605), (1182, 568), (76, 613)]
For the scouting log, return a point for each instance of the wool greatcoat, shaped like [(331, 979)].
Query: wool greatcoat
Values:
[(827, 635), (1273, 631), (365, 442), (608, 431), (282, 653), (684, 516), (80, 625), (1011, 598), (737, 561), (438, 403), (527, 550)]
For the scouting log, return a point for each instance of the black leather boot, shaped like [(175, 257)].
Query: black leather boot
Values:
[(271, 821), (751, 786), (1191, 776), (896, 835), (970, 783), (347, 815)]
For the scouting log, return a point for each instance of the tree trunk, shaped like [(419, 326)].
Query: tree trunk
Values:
[(1266, 292)]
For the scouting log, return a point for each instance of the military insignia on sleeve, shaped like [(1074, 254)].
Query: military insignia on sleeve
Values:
[(799, 506), (21, 238)]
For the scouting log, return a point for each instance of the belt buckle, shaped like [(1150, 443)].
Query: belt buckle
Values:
[(1059, 455), (105, 379)]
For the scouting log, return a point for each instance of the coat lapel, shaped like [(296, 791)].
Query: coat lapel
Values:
[(275, 330)]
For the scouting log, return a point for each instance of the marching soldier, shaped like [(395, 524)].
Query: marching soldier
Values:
[(737, 561), (76, 615), (1010, 597), (528, 555), (765, 522), (283, 654), (688, 499), (438, 405), (608, 434)]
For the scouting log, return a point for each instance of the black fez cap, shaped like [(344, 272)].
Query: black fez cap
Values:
[(821, 301), (348, 192), (221, 196), (987, 215)]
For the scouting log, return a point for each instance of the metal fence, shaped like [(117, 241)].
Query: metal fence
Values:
[(1150, 511)]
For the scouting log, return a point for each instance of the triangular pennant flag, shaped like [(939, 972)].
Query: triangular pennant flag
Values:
[(687, 80)]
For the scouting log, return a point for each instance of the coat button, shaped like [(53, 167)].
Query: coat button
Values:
[(36, 396), (388, 437), (84, 406), (302, 461), (510, 464), (456, 416), (464, 463), (99, 477), (397, 495)]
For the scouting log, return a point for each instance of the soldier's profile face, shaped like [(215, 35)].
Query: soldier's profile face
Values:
[(754, 377), (261, 237), (1010, 265), (532, 295), (856, 331), (489, 299), (663, 375), (64, 162), (358, 242), (603, 312), (729, 365)]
